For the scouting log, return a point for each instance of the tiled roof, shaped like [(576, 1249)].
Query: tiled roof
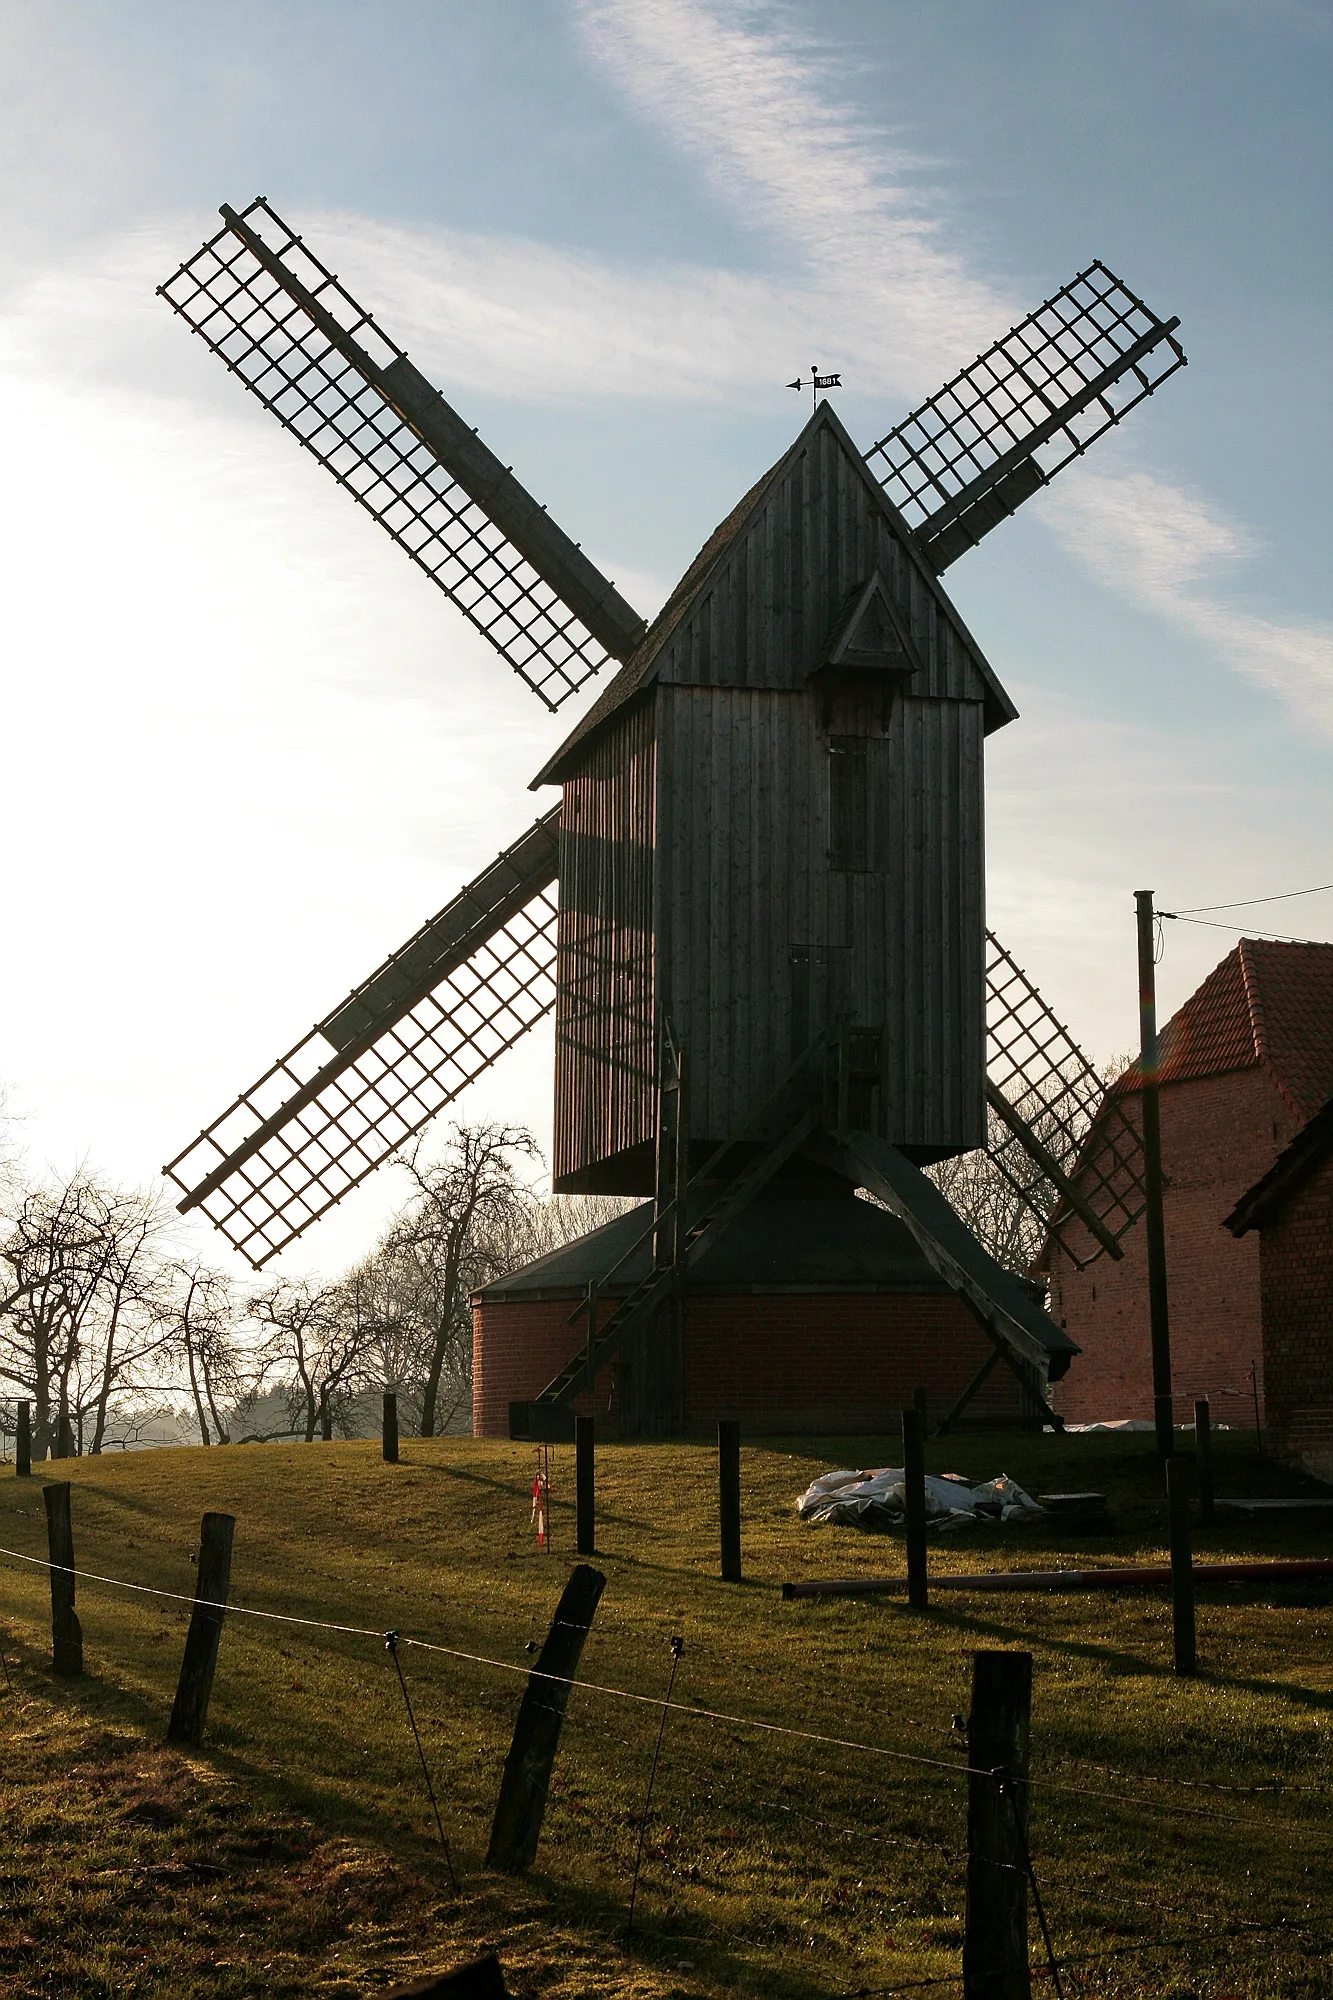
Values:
[(1265, 1003)]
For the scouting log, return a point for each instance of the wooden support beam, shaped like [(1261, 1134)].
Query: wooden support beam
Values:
[(729, 1498), (1203, 1456), (995, 1934), (585, 1491), (189, 1711), (1050, 1166), (389, 1429), (66, 1631), (1182, 1569), (521, 1806), (914, 1507)]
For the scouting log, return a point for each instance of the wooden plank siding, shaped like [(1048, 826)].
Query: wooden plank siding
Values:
[(818, 533), (698, 852), (756, 928), (604, 1032)]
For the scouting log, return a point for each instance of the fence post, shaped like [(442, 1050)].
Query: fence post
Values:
[(585, 1492), (189, 1711), (914, 1497), (389, 1428), (64, 1435), (521, 1806), (23, 1443), (66, 1631), (1182, 1568), (995, 1934), (729, 1498), (1203, 1459)]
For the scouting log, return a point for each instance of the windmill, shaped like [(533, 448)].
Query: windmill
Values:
[(758, 912)]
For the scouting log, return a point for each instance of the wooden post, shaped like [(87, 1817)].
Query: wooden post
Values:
[(66, 1631), (914, 1495), (1159, 1322), (64, 1435), (995, 1934), (389, 1428), (1203, 1459), (190, 1709), (1182, 1568), (519, 1810), (729, 1498), (584, 1487), (23, 1442)]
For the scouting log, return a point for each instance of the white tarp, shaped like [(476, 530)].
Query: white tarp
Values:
[(877, 1500)]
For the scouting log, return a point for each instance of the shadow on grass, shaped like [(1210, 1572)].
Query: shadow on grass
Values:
[(1116, 1660), (535, 1898)]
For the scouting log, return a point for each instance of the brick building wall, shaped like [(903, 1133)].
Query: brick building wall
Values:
[(1219, 1135), (777, 1361), (1296, 1276)]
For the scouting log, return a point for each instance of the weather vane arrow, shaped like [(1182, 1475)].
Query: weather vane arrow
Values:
[(816, 382)]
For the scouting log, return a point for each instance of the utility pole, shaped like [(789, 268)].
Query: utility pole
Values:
[(1152, 1178)]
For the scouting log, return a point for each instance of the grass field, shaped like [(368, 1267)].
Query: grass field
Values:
[(1182, 1831)]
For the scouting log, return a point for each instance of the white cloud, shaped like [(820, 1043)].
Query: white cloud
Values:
[(740, 100), (757, 108), (1164, 546)]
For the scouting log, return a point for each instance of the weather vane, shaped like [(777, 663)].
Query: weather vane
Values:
[(816, 382)]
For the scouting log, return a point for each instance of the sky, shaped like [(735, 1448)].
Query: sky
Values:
[(251, 748)]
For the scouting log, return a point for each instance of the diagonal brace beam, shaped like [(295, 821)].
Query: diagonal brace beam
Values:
[(476, 914), (1051, 1168)]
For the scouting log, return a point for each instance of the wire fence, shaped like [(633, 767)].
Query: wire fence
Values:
[(748, 1810)]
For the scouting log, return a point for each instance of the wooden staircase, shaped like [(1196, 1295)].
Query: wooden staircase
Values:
[(547, 1415)]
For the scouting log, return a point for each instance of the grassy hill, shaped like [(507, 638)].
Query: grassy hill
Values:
[(1181, 1831)]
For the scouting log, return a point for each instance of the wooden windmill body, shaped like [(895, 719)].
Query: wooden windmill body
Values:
[(759, 909), (772, 835)]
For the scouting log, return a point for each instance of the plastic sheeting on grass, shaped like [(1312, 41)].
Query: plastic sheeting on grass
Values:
[(878, 1500)]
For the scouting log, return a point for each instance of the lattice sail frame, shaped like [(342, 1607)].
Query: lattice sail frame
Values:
[(1023, 410), (1034, 1062), (270, 337), (324, 1117)]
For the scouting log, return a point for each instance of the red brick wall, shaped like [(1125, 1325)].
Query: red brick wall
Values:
[(1219, 1135), (1296, 1266), (778, 1362)]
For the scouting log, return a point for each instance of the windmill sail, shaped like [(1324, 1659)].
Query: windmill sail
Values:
[(1001, 430), (438, 1012), (1067, 1149), (314, 357)]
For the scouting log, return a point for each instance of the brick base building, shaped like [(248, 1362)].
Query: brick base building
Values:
[(814, 1312), (1244, 1064), (1289, 1215)]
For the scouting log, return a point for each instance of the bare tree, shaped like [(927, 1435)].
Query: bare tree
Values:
[(314, 1350), (455, 1234), (77, 1321), (123, 1333), (202, 1318)]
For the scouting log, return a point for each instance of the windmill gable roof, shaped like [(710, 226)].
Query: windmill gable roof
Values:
[(761, 600), (1266, 1003)]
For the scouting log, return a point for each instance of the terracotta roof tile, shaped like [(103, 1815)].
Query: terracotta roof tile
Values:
[(1265, 1003)]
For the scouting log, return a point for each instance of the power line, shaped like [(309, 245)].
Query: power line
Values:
[(1248, 902), (1276, 937)]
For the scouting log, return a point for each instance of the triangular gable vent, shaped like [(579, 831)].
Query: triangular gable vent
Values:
[(871, 636)]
